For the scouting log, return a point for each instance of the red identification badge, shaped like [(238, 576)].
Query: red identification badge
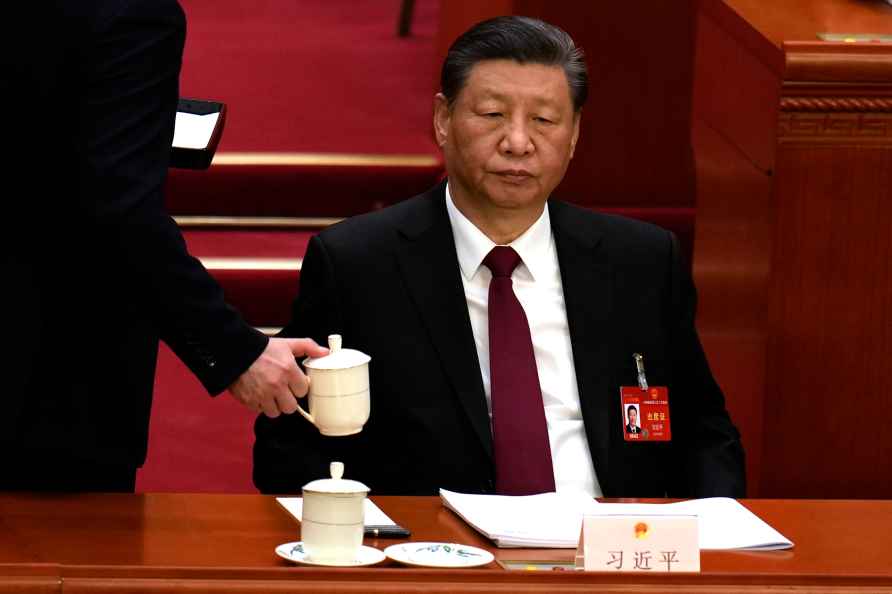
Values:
[(645, 413)]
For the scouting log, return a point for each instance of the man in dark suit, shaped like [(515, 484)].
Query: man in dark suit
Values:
[(96, 271), (424, 288)]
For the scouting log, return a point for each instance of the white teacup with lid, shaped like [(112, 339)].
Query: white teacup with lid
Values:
[(332, 520), (339, 390)]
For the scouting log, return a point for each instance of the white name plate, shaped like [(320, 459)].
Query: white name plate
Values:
[(649, 544)]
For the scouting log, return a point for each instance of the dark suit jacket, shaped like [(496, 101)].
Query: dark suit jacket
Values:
[(389, 283), (633, 428), (96, 271)]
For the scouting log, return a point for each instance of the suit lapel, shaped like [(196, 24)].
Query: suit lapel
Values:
[(429, 267), (586, 278)]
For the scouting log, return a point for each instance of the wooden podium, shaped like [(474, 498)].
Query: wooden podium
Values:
[(793, 252)]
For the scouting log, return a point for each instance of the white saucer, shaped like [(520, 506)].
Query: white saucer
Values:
[(438, 554), (294, 551)]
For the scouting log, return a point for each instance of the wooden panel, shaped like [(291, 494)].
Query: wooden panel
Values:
[(802, 20), (732, 271), (23, 577), (832, 314), (818, 62), (451, 585), (35, 585), (832, 284), (793, 247), (733, 134), (742, 107)]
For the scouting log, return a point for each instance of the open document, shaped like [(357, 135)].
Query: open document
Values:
[(553, 520), (549, 520)]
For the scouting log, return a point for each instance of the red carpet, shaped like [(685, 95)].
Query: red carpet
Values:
[(197, 443), (314, 75)]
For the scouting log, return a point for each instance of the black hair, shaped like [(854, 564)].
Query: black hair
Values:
[(522, 39), (630, 408)]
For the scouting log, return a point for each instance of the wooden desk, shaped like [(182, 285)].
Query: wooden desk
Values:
[(224, 543)]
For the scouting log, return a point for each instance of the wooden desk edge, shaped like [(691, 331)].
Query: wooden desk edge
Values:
[(397, 574)]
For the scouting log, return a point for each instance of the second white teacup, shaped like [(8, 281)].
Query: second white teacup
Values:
[(332, 520), (339, 399)]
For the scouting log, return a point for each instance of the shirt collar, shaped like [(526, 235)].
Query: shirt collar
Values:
[(534, 246)]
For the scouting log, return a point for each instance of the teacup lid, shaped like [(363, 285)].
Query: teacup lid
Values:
[(338, 358), (336, 484)]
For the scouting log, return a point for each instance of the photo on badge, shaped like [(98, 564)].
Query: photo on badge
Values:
[(645, 413)]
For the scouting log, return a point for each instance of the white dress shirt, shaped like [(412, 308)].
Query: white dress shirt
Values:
[(537, 284)]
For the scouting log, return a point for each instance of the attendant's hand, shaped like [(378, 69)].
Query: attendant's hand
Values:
[(274, 379)]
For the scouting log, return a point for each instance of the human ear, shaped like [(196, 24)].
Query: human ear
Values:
[(576, 118), (441, 119)]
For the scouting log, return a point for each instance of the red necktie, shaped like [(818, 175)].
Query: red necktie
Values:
[(520, 434)]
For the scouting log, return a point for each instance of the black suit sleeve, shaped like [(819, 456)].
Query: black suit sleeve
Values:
[(706, 442), (131, 79)]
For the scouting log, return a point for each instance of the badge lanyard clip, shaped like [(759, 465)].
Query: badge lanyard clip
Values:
[(639, 364)]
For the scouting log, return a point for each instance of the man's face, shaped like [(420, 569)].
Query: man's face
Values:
[(509, 136), (633, 416)]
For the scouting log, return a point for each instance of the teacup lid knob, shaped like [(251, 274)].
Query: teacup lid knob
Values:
[(336, 484), (334, 342), (337, 358)]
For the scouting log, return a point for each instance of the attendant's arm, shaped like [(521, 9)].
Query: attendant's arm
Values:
[(124, 148), (707, 445)]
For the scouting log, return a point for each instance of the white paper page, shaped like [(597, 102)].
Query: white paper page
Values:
[(374, 516), (724, 523), (193, 131), (548, 520)]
